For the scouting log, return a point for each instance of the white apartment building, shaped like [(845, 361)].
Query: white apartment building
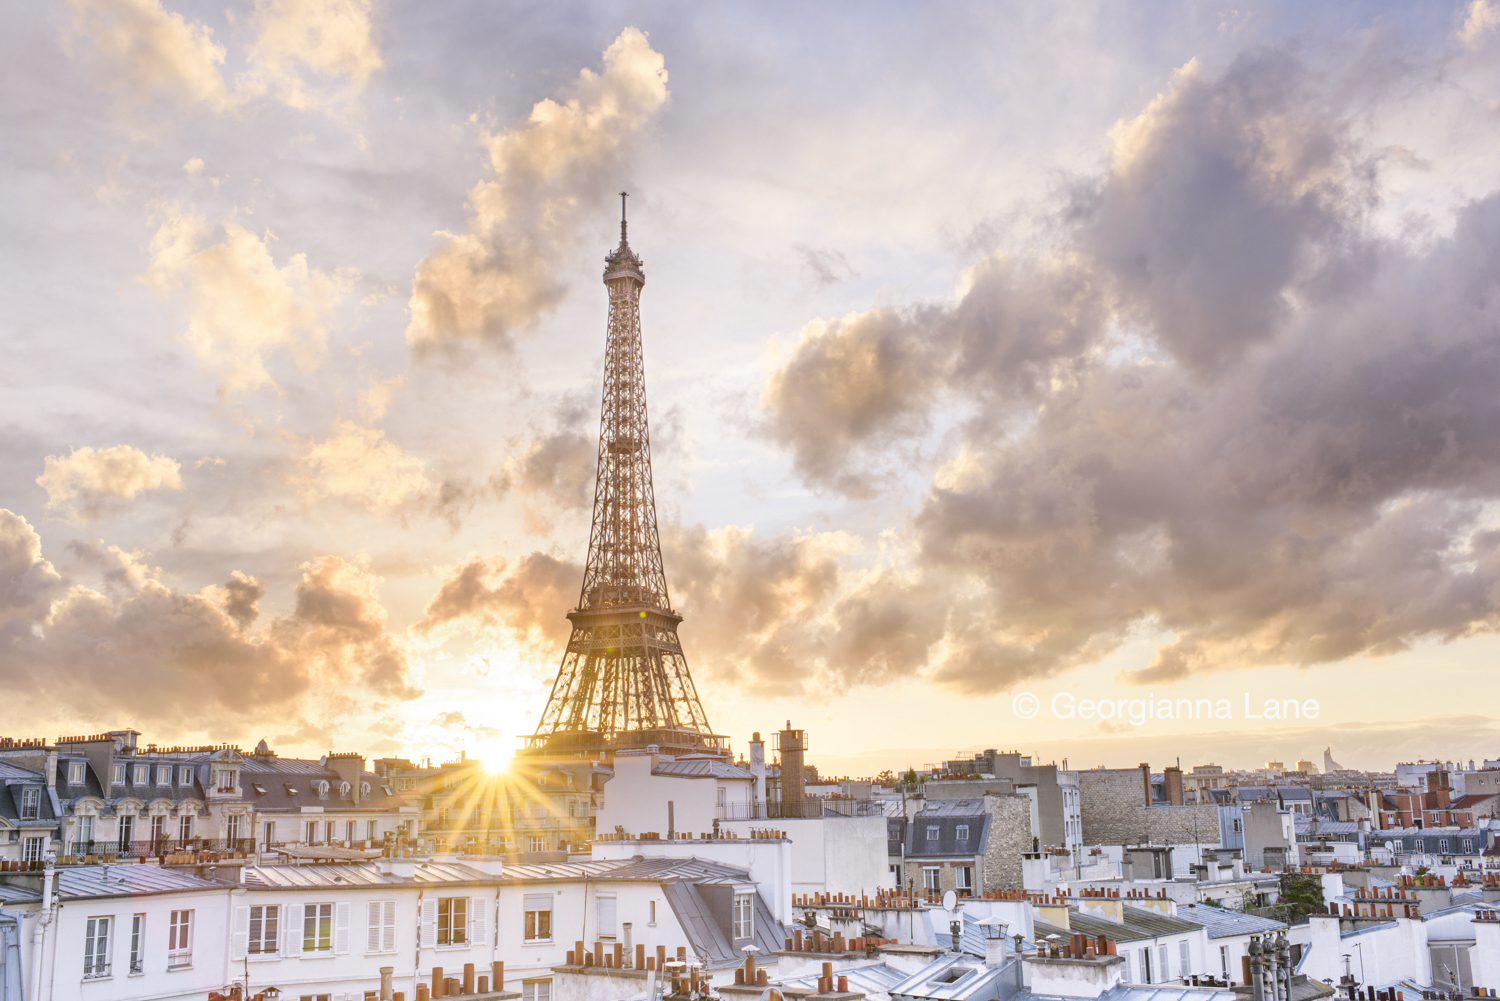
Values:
[(144, 931)]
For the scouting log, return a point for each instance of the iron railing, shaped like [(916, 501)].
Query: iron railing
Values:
[(160, 846)]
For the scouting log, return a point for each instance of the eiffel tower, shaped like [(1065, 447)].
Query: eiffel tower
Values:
[(624, 683)]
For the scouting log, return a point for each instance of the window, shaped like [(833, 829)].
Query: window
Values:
[(316, 997), (1396, 845), (536, 990), (1224, 961), (605, 922), (185, 827), (382, 926), (264, 928), (447, 781), (184, 776), (1146, 977), (138, 944), (328, 832), (453, 920), (930, 879), (721, 792), (163, 775), (1417, 846), (117, 775), (744, 908), (31, 849), (349, 828), (370, 830), (31, 804), (1443, 845), (1162, 972), (86, 828), (1129, 966), (232, 827), (1468, 844), (317, 927), (964, 877), (1184, 962), (96, 948), (539, 916), (270, 830), (442, 815), (962, 832), (180, 939), (932, 833), (141, 775), (75, 773), (127, 828), (537, 844), (312, 832), (158, 827), (653, 913)]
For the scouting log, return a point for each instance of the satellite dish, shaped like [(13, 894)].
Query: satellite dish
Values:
[(950, 900)]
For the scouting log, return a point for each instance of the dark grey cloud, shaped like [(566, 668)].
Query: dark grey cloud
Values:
[(489, 594), (1225, 406)]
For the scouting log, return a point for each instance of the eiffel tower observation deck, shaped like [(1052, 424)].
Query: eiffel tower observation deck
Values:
[(624, 683)]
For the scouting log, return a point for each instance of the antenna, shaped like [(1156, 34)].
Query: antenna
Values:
[(623, 196)]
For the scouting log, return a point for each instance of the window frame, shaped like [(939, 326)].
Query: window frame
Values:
[(141, 776), (961, 832), (536, 990), (117, 775), (85, 827), (268, 924), (934, 832), (452, 922), (31, 804), (96, 947), (380, 927), (535, 919), (963, 878), (180, 940), (743, 915), (33, 848), (317, 918), (76, 773), (932, 877), (137, 944)]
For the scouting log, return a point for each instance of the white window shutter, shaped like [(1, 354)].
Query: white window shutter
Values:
[(429, 923), (476, 920), (341, 917), (388, 935), (373, 924), (239, 943), (292, 929)]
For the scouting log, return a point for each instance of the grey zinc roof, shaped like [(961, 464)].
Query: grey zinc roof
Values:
[(10, 770), (953, 807), (954, 978), (699, 767), (129, 881), (1165, 992), (663, 870), (947, 843), (706, 938), (873, 981), (1139, 924), (1222, 923), (16, 893)]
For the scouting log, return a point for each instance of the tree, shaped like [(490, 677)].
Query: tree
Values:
[(1301, 895)]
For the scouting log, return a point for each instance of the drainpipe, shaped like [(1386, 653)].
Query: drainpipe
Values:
[(43, 919)]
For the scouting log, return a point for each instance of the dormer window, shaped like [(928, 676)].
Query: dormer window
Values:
[(260, 790), (75, 773), (224, 779), (164, 775), (31, 804), (962, 833), (364, 790), (322, 788), (142, 775), (343, 790), (117, 775), (184, 776), (291, 790), (932, 832)]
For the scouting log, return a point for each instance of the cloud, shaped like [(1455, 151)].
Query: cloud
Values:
[(88, 482), (139, 47), (359, 464), (550, 176), (1481, 18), (189, 660), (330, 38), (194, 166), (479, 596), (244, 308), (1222, 408), (824, 268)]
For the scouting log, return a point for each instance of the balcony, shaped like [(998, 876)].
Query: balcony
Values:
[(160, 847)]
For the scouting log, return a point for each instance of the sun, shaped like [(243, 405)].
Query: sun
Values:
[(496, 755)]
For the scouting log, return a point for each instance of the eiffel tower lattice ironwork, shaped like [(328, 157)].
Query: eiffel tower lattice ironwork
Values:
[(624, 682)]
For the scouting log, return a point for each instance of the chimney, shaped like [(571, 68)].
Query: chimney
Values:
[(1146, 780), (758, 769), (1172, 778), (1085, 977), (792, 744)]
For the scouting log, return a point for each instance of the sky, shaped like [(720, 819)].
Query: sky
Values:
[(1071, 378)]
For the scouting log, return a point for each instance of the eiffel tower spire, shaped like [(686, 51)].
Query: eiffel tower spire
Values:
[(624, 682)]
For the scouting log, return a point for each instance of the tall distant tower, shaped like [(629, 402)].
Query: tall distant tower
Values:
[(624, 682)]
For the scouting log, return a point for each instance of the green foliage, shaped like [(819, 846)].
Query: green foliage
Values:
[(1301, 894), (1422, 870)]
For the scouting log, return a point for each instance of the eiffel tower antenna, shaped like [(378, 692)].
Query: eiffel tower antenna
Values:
[(624, 682)]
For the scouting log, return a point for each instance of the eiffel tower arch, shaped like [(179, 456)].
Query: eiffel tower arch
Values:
[(624, 682)]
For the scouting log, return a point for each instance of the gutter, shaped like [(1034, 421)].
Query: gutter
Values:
[(44, 918)]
